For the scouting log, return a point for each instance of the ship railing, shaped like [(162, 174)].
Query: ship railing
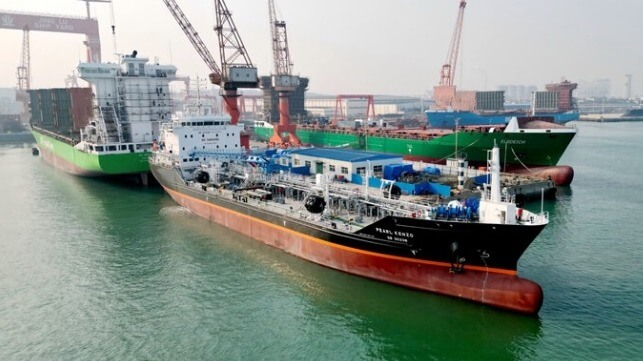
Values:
[(394, 206), (528, 217)]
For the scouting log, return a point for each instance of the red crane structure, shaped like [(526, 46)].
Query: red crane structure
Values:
[(236, 69), (339, 109), (444, 93), (49, 23), (282, 80), (57, 24)]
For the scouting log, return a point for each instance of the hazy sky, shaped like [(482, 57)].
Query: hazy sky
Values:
[(364, 46)]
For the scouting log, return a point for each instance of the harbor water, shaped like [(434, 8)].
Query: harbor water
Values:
[(91, 270)]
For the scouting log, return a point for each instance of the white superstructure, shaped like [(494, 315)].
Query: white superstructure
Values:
[(131, 100), (192, 140)]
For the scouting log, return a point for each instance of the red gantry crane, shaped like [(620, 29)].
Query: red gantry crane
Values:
[(444, 93), (49, 23), (282, 80), (339, 108), (236, 69)]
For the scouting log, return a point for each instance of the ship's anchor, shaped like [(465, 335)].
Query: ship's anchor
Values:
[(457, 265)]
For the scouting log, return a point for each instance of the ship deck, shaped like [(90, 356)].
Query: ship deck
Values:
[(343, 205)]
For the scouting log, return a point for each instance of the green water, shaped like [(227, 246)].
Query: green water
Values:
[(96, 271)]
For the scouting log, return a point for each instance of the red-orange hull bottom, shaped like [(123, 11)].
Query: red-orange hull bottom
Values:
[(497, 288)]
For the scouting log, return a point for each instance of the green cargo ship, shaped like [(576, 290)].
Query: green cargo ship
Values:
[(522, 143), (102, 160), (109, 129)]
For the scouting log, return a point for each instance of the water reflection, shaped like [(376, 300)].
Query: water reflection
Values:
[(372, 319)]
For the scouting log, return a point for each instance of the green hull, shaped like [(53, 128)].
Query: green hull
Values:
[(262, 134), (61, 154), (530, 149)]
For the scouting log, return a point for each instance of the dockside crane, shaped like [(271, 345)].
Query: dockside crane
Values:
[(23, 73), (282, 80), (444, 93), (195, 39), (236, 69)]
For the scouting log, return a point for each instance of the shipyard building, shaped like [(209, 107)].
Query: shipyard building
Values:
[(342, 163)]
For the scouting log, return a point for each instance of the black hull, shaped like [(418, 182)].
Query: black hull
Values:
[(496, 247)]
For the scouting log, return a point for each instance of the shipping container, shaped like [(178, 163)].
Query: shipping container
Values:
[(62, 111), (490, 100), (546, 101)]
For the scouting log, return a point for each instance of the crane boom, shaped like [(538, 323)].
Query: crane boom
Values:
[(282, 81), (447, 74), (280, 51), (195, 39), (238, 71)]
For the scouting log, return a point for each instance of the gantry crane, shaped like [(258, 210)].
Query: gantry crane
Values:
[(24, 69), (236, 69), (445, 92), (49, 23), (339, 106), (282, 80)]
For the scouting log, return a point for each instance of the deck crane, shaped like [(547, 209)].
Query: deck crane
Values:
[(445, 91), (233, 74), (282, 80)]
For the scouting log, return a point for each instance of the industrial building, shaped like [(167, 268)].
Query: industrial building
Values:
[(342, 163)]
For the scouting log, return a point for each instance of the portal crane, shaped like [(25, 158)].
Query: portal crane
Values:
[(444, 93), (282, 80), (238, 71), (233, 74), (448, 69), (195, 39)]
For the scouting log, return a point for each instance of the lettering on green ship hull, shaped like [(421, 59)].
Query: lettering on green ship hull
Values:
[(535, 149)]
